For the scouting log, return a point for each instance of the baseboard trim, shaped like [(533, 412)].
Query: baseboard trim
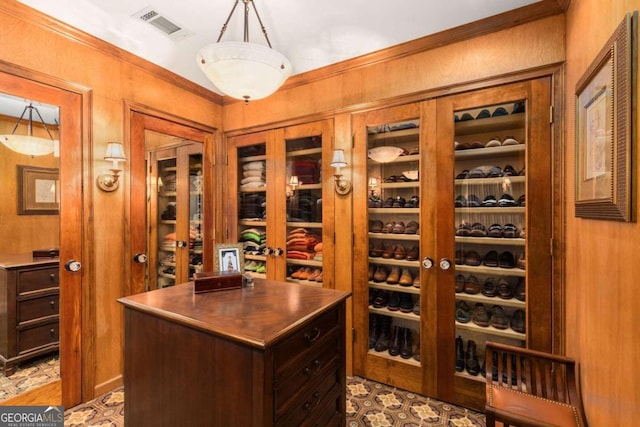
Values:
[(108, 386)]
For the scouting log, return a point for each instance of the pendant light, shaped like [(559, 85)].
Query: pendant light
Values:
[(29, 144), (244, 70)]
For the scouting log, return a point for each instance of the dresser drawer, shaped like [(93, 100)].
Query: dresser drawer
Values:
[(38, 336), (330, 414), (305, 337), (35, 308), (37, 279), (306, 371), (311, 401)]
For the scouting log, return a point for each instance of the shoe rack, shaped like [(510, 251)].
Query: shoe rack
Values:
[(176, 214), (474, 172), (282, 204)]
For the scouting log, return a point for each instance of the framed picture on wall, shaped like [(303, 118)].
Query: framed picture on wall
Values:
[(38, 191), (605, 126), (229, 257)]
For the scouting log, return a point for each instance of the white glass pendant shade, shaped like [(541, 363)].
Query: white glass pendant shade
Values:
[(29, 145), (244, 70)]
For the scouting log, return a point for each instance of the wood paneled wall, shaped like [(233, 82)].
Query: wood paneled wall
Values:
[(33, 41), (601, 269)]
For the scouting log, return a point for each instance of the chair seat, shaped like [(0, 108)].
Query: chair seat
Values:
[(515, 406)]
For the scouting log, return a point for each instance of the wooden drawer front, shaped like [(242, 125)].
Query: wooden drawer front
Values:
[(39, 336), (330, 414), (305, 337), (311, 401), (36, 279), (36, 308), (314, 364)]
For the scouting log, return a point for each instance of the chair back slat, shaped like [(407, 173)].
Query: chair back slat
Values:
[(550, 380)]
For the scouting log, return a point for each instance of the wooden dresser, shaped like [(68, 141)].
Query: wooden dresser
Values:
[(29, 309), (269, 355)]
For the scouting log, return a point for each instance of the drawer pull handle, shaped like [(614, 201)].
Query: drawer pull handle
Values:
[(312, 338), (53, 331), (53, 303), (315, 368), (52, 276), (311, 405)]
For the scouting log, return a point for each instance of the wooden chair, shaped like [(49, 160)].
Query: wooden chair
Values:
[(531, 388)]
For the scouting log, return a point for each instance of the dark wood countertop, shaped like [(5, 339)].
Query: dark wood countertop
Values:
[(257, 316), (21, 260)]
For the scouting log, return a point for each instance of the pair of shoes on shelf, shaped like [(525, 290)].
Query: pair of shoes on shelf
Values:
[(499, 287), (469, 285)]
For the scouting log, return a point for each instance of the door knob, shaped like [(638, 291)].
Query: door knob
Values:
[(278, 251), (72, 265), (445, 264), (140, 258), (427, 263), (267, 251)]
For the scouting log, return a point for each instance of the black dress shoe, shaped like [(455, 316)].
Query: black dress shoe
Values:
[(459, 355), (406, 346), (382, 343), (394, 345), (374, 330), (473, 365)]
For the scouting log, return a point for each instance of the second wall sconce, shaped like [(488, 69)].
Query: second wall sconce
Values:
[(342, 184), (109, 181)]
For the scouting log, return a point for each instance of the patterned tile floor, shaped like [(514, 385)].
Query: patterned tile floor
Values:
[(30, 375), (369, 404)]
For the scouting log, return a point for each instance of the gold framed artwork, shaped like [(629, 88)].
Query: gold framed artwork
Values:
[(605, 128), (38, 191), (229, 257)]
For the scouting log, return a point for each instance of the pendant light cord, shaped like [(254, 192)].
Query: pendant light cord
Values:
[(246, 22)]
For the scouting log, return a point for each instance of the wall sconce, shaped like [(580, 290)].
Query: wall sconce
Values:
[(373, 183), (342, 184), (109, 181), (293, 183)]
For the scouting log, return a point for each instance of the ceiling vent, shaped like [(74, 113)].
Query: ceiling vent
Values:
[(159, 21)]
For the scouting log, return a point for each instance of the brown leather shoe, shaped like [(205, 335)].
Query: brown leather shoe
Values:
[(400, 252), (388, 251), (377, 250), (416, 281), (406, 279), (380, 275), (472, 285), (413, 253), (394, 276)]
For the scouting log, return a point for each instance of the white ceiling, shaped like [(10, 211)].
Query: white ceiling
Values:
[(310, 33)]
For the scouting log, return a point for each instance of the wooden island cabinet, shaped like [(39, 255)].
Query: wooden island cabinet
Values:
[(268, 355)]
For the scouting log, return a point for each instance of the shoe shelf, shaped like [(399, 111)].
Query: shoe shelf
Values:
[(169, 168), (397, 136), (490, 181), (392, 236), (167, 194), (396, 262), (252, 223), (395, 288), (305, 152), (307, 262), (248, 159), (511, 302), (493, 210), (394, 185), (490, 124), (491, 271), (492, 152), (385, 355), (305, 282), (397, 314), (167, 221), (253, 190), (167, 276), (394, 211), (255, 257), (468, 376), (499, 241), (490, 330), (303, 186), (298, 224)]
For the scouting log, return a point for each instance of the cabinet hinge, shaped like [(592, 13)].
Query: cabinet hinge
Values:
[(353, 335), (550, 113)]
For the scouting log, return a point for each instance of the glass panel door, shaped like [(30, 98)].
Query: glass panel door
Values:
[(304, 206), (490, 231)]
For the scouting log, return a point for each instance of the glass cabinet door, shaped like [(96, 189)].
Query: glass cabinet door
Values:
[(175, 215), (252, 206), (304, 203), (490, 231)]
